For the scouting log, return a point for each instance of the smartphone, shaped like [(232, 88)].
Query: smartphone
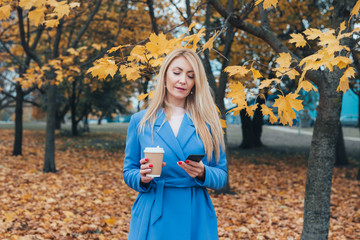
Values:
[(196, 157)]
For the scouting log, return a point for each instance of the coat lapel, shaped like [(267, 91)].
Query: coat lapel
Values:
[(163, 129), (187, 129)]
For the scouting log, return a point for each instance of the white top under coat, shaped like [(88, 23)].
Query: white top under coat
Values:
[(176, 119)]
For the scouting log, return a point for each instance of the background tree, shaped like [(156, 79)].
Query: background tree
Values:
[(322, 153)]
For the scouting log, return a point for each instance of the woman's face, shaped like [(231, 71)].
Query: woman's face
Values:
[(179, 80)]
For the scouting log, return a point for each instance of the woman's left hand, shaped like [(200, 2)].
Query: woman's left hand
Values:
[(194, 169)]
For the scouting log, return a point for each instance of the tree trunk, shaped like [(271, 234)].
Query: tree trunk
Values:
[(252, 128), (258, 123), (341, 157), (74, 130), (49, 163), (247, 130), (86, 122), (18, 121), (322, 155), (58, 122)]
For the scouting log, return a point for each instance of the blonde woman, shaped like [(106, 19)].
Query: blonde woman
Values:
[(182, 119)]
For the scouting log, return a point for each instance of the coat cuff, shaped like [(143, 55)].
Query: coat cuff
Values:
[(143, 187), (200, 182)]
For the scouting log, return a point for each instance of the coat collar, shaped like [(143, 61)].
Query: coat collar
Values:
[(163, 129)]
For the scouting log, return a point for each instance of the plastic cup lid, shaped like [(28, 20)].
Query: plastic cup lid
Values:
[(154, 150)]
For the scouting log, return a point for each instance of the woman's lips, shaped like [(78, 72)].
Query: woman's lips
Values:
[(180, 89)]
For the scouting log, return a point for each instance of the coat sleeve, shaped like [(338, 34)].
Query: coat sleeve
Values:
[(131, 171), (215, 174)]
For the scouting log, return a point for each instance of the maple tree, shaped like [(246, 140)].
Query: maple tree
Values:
[(329, 56), (78, 36)]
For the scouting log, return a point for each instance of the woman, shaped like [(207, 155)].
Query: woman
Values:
[(182, 119)]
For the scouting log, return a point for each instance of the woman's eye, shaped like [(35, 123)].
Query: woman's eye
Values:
[(191, 76), (176, 73)]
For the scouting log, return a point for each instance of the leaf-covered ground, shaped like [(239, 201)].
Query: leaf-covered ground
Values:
[(88, 199)]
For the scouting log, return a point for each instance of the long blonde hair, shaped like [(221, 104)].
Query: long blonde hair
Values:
[(200, 104)]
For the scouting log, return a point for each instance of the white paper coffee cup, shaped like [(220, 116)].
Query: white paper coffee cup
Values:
[(155, 156)]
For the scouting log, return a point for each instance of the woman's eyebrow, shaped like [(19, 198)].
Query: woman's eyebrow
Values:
[(182, 69)]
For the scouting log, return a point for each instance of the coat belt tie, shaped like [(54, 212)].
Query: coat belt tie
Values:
[(159, 185)]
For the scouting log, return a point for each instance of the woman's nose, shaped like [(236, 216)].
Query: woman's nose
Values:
[(182, 79)]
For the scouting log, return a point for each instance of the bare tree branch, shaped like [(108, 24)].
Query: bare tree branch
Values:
[(24, 44), (86, 25)]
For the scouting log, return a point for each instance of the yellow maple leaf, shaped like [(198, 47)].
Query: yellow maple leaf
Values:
[(5, 12), (285, 107), (137, 54), (238, 95), (344, 80), (62, 10), (267, 82), (142, 96), (209, 43), (156, 62), (51, 23), (251, 109), (256, 73), (341, 61), (355, 9), (267, 111), (298, 39), (132, 71), (236, 70), (37, 16), (197, 38), (307, 86), (328, 38), (157, 45), (284, 60), (312, 33), (103, 68), (114, 49), (28, 4), (267, 3)]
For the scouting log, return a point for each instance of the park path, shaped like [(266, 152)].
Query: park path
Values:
[(283, 139)]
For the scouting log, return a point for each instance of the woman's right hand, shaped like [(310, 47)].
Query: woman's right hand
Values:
[(145, 168)]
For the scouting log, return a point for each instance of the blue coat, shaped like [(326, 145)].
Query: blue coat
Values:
[(174, 205)]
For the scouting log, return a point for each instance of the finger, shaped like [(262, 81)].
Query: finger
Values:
[(146, 179), (146, 166), (145, 171), (193, 171), (164, 164), (193, 163), (144, 160), (189, 169)]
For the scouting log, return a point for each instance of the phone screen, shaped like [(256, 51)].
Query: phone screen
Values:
[(196, 157)]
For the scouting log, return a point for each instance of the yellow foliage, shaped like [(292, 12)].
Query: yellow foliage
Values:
[(355, 9), (307, 86), (238, 95), (344, 80), (267, 82), (285, 105), (298, 39), (104, 68), (210, 42), (5, 12), (267, 111), (267, 3), (236, 70)]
